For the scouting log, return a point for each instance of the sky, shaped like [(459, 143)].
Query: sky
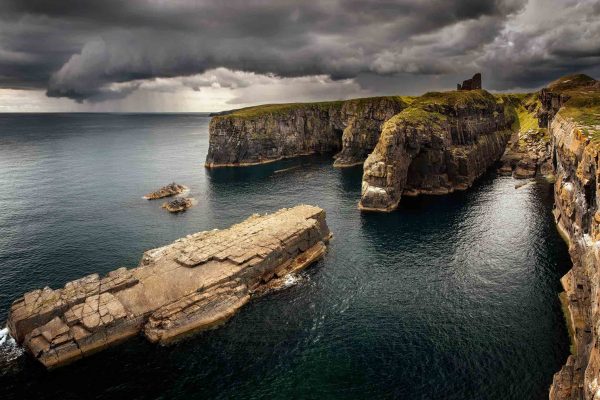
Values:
[(194, 56)]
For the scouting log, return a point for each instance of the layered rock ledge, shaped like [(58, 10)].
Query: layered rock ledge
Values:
[(268, 133), (441, 143), (193, 284)]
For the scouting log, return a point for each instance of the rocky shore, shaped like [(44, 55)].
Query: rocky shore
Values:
[(169, 190), (193, 284)]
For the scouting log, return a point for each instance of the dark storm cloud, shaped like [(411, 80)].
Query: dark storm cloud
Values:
[(97, 50)]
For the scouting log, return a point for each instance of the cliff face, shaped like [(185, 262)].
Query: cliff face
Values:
[(363, 119), (192, 284), (529, 150), (571, 106), (268, 133), (441, 143)]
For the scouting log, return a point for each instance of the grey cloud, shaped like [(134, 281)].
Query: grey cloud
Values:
[(90, 50)]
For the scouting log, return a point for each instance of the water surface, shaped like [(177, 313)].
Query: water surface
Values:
[(451, 297)]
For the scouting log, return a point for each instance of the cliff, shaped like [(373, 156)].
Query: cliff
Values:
[(441, 143), (528, 152), (192, 284), (571, 110), (269, 133)]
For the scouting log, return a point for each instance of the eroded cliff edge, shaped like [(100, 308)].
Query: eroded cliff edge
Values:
[(192, 284), (432, 144), (441, 143), (571, 110), (267, 133)]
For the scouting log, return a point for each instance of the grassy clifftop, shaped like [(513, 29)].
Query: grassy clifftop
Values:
[(583, 102), (571, 82), (286, 108), (455, 99), (433, 107)]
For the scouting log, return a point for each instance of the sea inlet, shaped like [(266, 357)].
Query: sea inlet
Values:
[(452, 297)]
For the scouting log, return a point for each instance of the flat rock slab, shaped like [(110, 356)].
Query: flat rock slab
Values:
[(195, 283)]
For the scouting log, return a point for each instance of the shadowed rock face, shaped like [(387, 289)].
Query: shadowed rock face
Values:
[(571, 107), (192, 284), (441, 143), (269, 133), (363, 120)]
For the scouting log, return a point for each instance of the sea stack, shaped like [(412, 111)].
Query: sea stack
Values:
[(441, 143), (193, 284)]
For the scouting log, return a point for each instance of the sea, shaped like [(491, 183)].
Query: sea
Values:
[(449, 297)]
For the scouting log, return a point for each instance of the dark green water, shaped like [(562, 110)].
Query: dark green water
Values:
[(451, 297)]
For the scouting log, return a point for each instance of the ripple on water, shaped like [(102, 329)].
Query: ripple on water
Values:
[(451, 296)]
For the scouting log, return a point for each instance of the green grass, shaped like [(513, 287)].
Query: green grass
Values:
[(526, 120), (455, 98), (583, 104), (285, 108), (430, 110), (280, 109), (570, 82)]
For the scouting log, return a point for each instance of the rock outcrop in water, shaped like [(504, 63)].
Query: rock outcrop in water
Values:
[(171, 189), (178, 205), (571, 108), (262, 134), (441, 143), (192, 284)]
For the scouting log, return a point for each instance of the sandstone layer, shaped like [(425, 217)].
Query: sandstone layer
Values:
[(269, 133), (195, 283), (571, 108), (441, 143)]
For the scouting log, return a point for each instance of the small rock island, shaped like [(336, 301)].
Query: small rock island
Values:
[(171, 189), (193, 284), (180, 204)]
